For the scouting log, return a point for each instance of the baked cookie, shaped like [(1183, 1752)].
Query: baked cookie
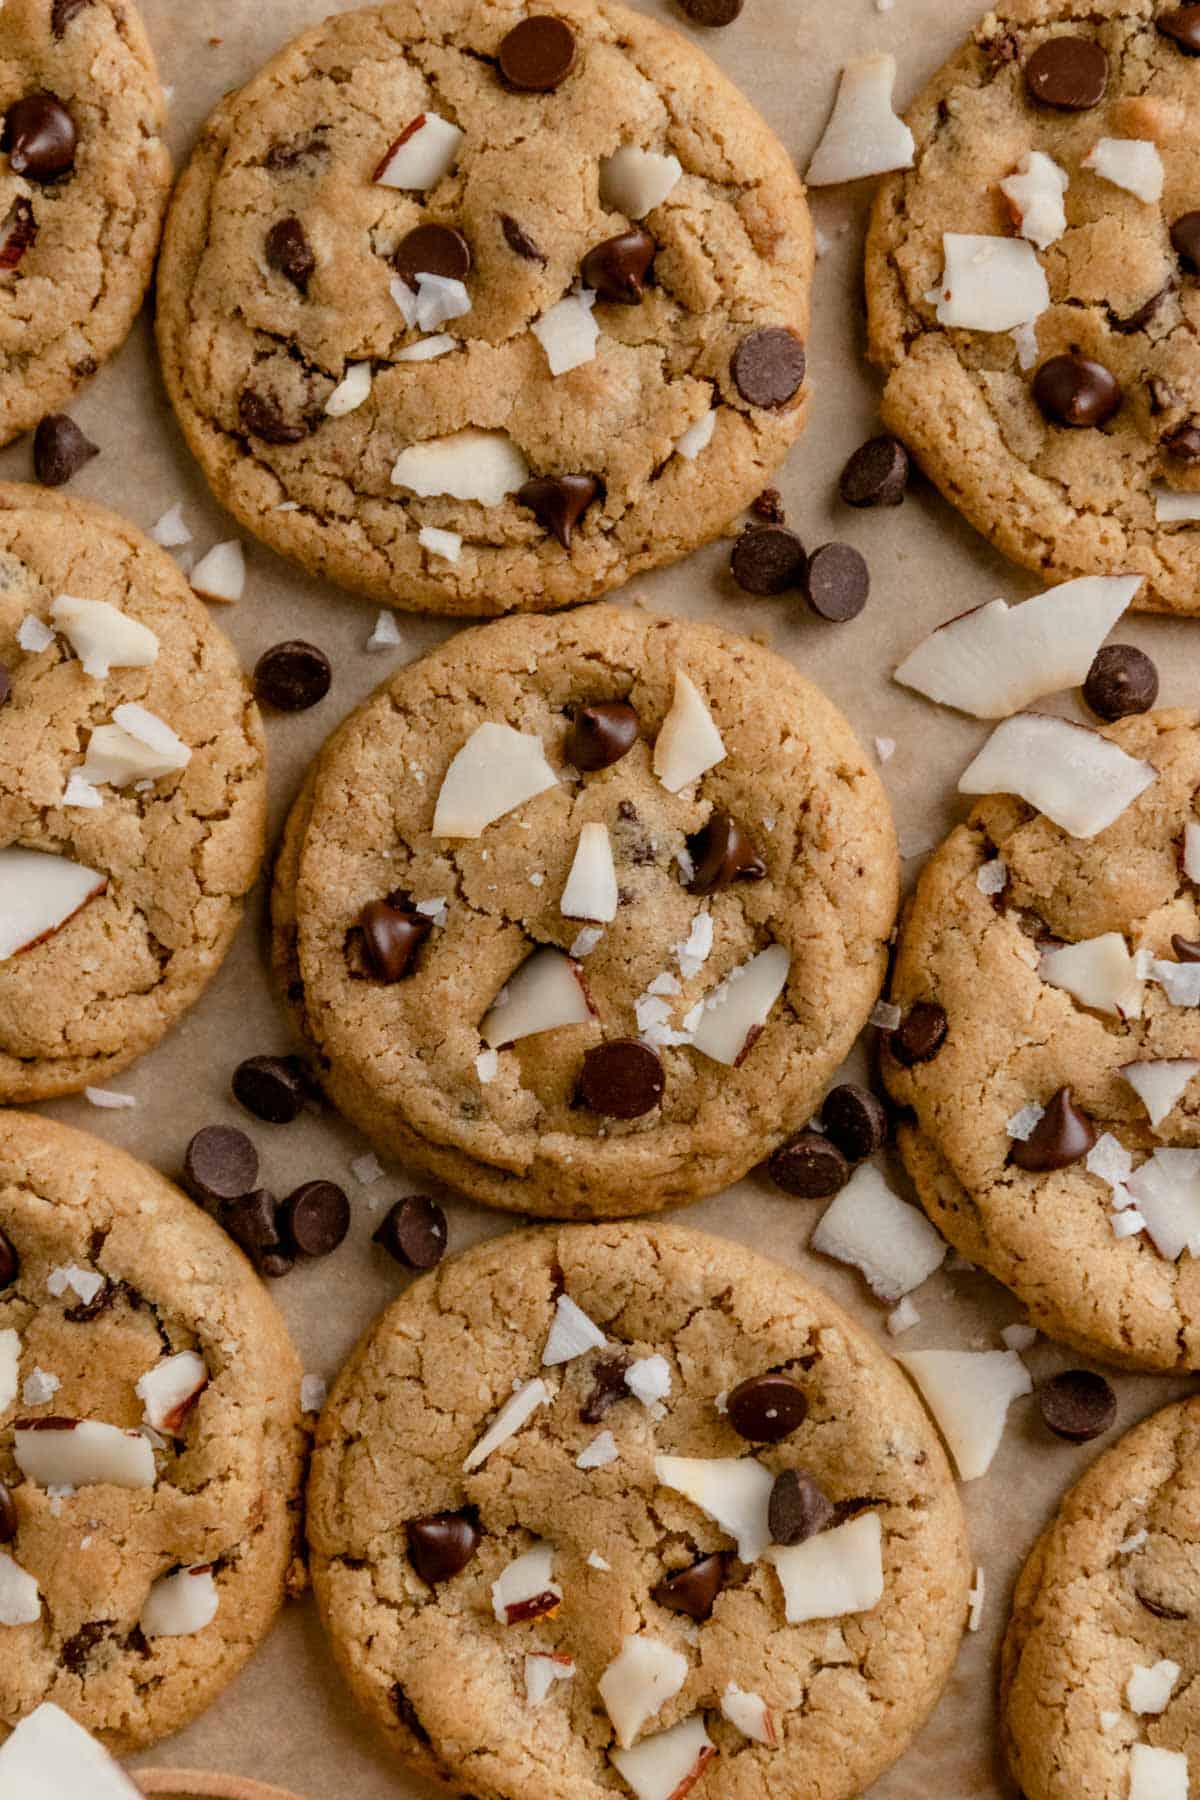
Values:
[(485, 313), (541, 1511), (150, 1443), (1040, 344), (1100, 1657), (1048, 987), (132, 794), (84, 178), (580, 915)]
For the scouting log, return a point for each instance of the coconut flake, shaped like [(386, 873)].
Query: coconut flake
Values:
[(870, 1227), (34, 635), (1035, 193), (572, 1334), (446, 544), (38, 1387), (508, 1421), (314, 1390), (1022, 1122), (350, 393), (568, 332), (386, 633), (541, 1672), (1130, 163), (1172, 508), (469, 465), (634, 181), (487, 1066), (598, 1455), (426, 150), (169, 529), (1149, 1688), (990, 283), (428, 349), (697, 437), (864, 135), (649, 1378), (221, 574), (902, 1318), (688, 743), (20, 1600)]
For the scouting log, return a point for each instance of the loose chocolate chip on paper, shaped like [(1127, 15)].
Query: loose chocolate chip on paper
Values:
[(712, 12), (8, 1515), (414, 1232), (768, 367), (920, 1034), (538, 54), (290, 253), (315, 1218), (392, 934), (432, 250), (693, 1590), (442, 1544), (519, 240), (1185, 240), (767, 1408), (220, 1163), (558, 502), (837, 583), (601, 734), (622, 1079), (39, 135), (1076, 391), (1182, 23), (1121, 681), (60, 450), (797, 1509), (292, 676), (1063, 1135), (1068, 73), (767, 559), (877, 474), (723, 852), (808, 1166), (769, 506), (263, 417), (273, 1088), (1077, 1405), (619, 267), (253, 1223), (855, 1119)]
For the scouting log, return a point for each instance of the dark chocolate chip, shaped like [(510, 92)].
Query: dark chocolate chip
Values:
[(219, 1164), (77, 1650), (538, 54), (432, 250), (558, 502), (62, 12), (920, 1034), (712, 12), (39, 135), (1186, 949), (392, 935), (1062, 1136), (1076, 391), (608, 1387), (693, 1590), (837, 582), (619, 267), (1070, 73), (289, 252), (292, 676), (88, 1310), (5, 684), (271, 1087), (414, 1232), (519, 240), (8, 1515), (1122, 680), (1142, 315), (18, 233), (769, 506), (1077, 1405), (60, 450), (855, 1119), (797, 1509), (601, 734), (767, 559), (767, 1408), (622, 1079), (877, 474), (1182, 24), (768, 367), (315, 1218), (10, 1262), (407, 1713), (253, 1223), (1183, 444), (287, 154), (723, 852), (442, 1544), (808, 1166), (1159, 1609), (1185, 240), (263, 417)]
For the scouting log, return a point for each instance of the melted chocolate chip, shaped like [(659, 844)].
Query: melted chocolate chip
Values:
[(10, 1262), (220, 1163), (619, 267), (273, 1088), (263, 417), (1121, 681), (876, 475), (538, 54), (519, 240), (558, 502), (693, 1590), (1185, 241), (808, 1166), (622, 1079), (432, 250), (1068, 73), (440, 1545), (1076, 391), (39, 135), (1186, 949), (768, 559), (855, 1120), (1183, 444), (767, 1408), (1182, 24), (76, 1651), (8, 1515), (414, 1232), (62, 12), (289, 252), (1077, 1405), (406, 1712), (837, 582), (1142, 315), (60, 450), (797, 1509), (768, 367), (292, 676), (1062, 1136), (920, 1034), (315, 1218), (392, 934), (608, 1387), (88, 1310), (723, 852), (601, 734)]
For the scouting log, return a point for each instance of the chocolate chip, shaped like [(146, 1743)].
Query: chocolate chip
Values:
[(432, 250), (538, 54), (10, 1262), (1062, 1136), (253, 1223), (292, 676), (693, 1590), (17, 234), (767, 559), (1182, 24), (797, 1509), (287, 154), (63, 11), (271, 1087), (315, 1218), (1142, 315), (60, 450), (263, 417), (39, 135), (855, 1119), (1185, 240), (1183, 445), (622, 1079), (711, 12), (876, 475), (837, 583), (8, 1515), (1078, 1404), (768, 367), (1076, 391), (442, 1544), (392, 935), (220, 1163), (407, 1714), (809, 1166), (519, 240), (769, 506), (608, 1386), (289, 251), (77, 1650), (617, 269), (1070, 73), (1158, 1608), (1122, 680), (88, 1310), (558, 502), (601, 734), (920, 1034), (767, 1408), (1186, 949), (414, 1232), (723, 852)]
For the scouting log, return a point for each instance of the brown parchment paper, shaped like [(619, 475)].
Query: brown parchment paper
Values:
[(287, 1720)]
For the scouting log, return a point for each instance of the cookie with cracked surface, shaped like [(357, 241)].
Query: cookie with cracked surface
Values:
[(372, 270), (825, 1699), (124, 858), (1108, 1595), (84, 180), (501, 928), (1048, 1118), (142, 1567), (1070, 441)]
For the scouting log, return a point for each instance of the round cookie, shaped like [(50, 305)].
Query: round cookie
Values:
[(83, 186), (1112, 1587), (116, 1274), (578, 1119), (1019, 432), (280, 272), (446, 1682), (974, 948), (171, 855)]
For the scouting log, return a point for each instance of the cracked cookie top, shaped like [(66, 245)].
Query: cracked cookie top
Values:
[(150, 1445), (132, 794), (582, 914), (595, 1508), (1034, 290), (484, 312)]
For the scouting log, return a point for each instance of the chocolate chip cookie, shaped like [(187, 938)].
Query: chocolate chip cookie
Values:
[(84, 178), (150, 1445), (624, 1501), (580, 915), (1034, 290), (132, 794), (486, 313)]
